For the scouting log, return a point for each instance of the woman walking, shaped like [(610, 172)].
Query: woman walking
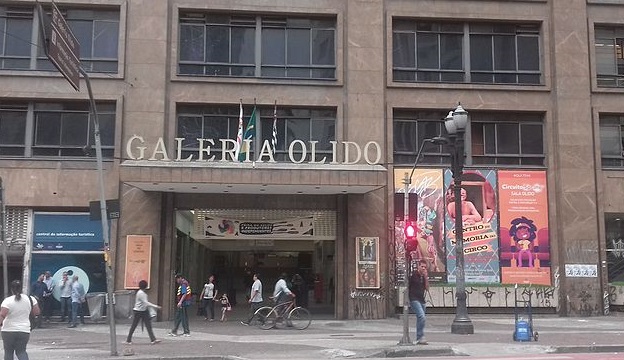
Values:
[(141, 311), (14, 316)]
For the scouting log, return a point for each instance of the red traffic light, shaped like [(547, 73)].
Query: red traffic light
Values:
[(410, 231)]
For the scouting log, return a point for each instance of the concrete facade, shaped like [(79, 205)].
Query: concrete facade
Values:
[(147, 90)]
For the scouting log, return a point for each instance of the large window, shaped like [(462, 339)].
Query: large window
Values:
[(609, 57), (54, 129), (612, 140), (97, 32), (221, 122), (614, 230), (507, 139), (498, 53), (496, 139), (225, 45)]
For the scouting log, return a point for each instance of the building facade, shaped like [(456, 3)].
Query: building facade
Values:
[(331, 101)]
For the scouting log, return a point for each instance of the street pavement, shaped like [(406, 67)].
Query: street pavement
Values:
[(334, 339)]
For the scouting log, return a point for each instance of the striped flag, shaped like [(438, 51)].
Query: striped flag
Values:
[(274, 139), (250, 133), (239, 135)]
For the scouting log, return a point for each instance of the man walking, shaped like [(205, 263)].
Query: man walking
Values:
[(47, 296), (77, 298), (418, 284), (66, 290), (38, 290), (183, 297), (208, 296), (255, 298)]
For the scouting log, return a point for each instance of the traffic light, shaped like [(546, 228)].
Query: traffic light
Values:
[(411, 232)]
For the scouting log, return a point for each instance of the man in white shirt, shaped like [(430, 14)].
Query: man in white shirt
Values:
[(77, 298), (66, 288), (255, 298), (47, 296), (281, 293), (208, 296)]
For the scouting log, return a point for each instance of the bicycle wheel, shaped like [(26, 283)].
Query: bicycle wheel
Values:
[(260, 316), (299, 318), (269, 319)]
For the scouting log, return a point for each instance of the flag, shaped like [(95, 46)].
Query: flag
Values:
[(250, 132), (274, 139), (239, 135)]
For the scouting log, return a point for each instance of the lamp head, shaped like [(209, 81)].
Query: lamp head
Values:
[(449, 124), (460, 117)]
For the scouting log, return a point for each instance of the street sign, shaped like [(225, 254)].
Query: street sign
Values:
[(112, 209), (64, 49)]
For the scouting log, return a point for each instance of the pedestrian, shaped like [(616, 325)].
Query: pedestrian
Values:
[(77, 299), (255, 298), (418, 284), (208, 296), (66, 287), (141, 312), (48, 301), (281, 292), (38, 289), (298, 289), (225, 307), (183, 298), (15, 318)]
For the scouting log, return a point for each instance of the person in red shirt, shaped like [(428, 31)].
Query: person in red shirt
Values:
[(184, 300)]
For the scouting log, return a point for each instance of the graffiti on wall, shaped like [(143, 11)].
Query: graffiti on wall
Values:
[(367, 304), (487, 296)]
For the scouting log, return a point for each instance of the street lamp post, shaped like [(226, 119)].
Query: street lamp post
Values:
[(407, 180), (455, 124)]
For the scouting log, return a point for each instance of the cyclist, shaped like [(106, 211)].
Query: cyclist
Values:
[(282, 293)]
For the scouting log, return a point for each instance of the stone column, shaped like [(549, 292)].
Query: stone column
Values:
[(572, 162)]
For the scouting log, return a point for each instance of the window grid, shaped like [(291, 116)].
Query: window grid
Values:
[(612, 141), (236, 38), (447, 62), (609, 45)]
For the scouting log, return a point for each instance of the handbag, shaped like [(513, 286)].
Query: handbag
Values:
[(31, 317), (152, 312)]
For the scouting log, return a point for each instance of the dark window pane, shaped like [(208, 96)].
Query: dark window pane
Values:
[(74, 129), (453, 77), (19, 43), (481, 52), (216, 127), (298, 73), (190, 128), (610, 140), (105, 39), (403, 75), (428, 76), (192, 70), (532, 139), (504, 53), (191, 43), (405, 136), (12, 127), (451, 52), (273, 47), (48, 129), (427, 51), (507, 140), (107, 129), (243, 45), (83, 30), (505, 78), (528, 53), (403, 50), (217, 44), (273, 72), (539, 161), (297, 129), (507, 160), (529, 79), (298, 47), (489, 138), (323, 73), (323, 49)]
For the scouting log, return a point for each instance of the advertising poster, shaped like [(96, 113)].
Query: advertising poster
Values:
[(525, 242), (229, 228), (138, 260), (428, 185), (66, 232), (480, 226), (367, 263)]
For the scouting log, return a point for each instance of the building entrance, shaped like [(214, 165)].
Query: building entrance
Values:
[(308, 264)]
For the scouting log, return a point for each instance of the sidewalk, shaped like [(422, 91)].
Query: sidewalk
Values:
[(326, 339)]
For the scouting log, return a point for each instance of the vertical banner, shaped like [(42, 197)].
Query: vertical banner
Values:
[(428, 185), (367, 263), (138, 260), (525, 242), (480, 226)]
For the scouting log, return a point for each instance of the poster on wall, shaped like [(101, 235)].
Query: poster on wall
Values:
[(480, 225), (66, 232), (216, 227), (524, 234), (428, 185), (367, 263), (138, 260)]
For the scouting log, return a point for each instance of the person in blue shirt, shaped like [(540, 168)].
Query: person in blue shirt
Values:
[(184, 299), (77, 298)]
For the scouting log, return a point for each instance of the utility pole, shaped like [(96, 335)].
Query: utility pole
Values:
[(5, 266)]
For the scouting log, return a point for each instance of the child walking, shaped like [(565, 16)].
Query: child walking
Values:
[(225, 306)]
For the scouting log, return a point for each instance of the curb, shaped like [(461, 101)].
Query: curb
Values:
[(587, 349), (411, 351)]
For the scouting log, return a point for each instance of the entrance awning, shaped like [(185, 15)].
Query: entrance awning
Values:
[(252, 178)]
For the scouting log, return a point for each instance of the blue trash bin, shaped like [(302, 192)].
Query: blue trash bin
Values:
[(523, 331)]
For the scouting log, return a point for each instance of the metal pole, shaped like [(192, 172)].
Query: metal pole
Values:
[(104, 218), (462, 323), (405, 340), (5, 266)]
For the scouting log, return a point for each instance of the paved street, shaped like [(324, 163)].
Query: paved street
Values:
[(560, 339)]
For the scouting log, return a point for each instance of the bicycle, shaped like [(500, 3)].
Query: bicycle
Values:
[(268, 317)]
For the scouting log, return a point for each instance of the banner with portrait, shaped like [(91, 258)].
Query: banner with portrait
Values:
[(524, 233), (480, 226), (367, 263), (428, 185)]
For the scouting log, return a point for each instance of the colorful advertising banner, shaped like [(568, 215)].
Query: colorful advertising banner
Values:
[(428, 185), (367, 263), (525, 242), (229, 228), (480, 224), (138, 260)]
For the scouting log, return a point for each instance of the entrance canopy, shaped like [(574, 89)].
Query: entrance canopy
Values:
[(252, 178)]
